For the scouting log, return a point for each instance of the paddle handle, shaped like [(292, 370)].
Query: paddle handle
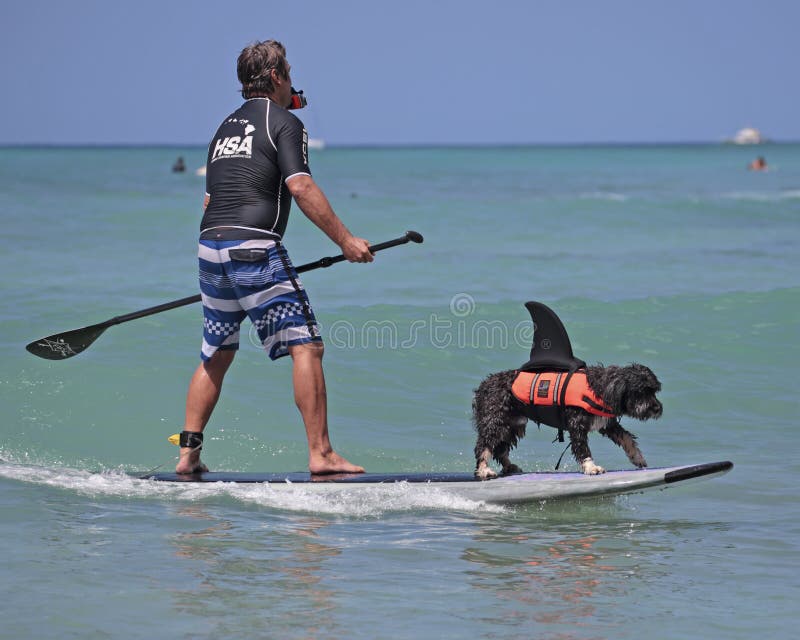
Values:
[(410, 236)]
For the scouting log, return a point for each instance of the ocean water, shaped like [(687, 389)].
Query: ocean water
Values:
[(673, 256)]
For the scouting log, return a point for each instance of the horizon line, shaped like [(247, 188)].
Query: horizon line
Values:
[(404, 145)]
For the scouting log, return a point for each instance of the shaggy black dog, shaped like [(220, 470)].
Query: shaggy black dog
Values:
[(500, 416)]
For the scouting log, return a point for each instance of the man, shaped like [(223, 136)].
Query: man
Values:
[(257, 162)]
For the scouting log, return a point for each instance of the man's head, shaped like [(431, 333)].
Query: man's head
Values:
[(264, 72)]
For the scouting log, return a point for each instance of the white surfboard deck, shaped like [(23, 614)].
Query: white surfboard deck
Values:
[(517, 488)]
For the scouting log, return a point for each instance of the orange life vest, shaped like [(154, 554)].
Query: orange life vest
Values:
[(545, 394)]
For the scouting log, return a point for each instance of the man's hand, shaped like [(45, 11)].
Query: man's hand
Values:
[(357, 250)]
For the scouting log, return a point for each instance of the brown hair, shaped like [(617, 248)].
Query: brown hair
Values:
[(255, 65)]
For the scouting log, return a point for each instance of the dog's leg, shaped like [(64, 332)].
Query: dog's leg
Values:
[(493, 418), (516, 430), (508, 466), (615, 432), (483, 470), (482, 418), (579, 442)]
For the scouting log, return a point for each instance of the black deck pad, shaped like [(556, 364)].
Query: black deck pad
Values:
[(302, 477)]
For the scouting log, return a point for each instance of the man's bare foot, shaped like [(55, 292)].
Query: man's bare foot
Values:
[(332, 462), (190, 463), (187, 470)]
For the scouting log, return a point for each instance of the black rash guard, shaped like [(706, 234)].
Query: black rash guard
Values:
[(251, 156)]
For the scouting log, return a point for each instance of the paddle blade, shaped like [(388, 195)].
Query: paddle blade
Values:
[(61, 346)]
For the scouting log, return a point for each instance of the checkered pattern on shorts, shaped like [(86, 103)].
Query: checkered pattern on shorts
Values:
[(279, 313), (219, 328)]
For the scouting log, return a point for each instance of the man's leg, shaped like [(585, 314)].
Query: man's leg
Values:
[(204, 390), (311, 398)]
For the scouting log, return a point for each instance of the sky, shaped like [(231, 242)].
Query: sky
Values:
[(406, 73)]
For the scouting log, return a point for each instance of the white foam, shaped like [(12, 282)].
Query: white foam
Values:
[(353, 501), (356, 501)]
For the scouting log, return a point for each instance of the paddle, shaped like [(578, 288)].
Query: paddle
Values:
[(61, 346)]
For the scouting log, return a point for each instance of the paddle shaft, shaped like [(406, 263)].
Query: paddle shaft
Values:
[(70, 343), (327, 261), (152, 310)]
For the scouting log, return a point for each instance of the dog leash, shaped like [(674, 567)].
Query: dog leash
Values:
[(558, 464)]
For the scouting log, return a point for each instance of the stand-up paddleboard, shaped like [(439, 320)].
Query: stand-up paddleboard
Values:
[(518, 488)]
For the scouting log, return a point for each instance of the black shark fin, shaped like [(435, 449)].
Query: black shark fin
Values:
[(551, 349)]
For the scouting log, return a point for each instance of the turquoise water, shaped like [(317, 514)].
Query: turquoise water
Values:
[(673, 256)]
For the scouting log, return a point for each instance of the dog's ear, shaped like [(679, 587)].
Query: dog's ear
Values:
[(645, 378), (616, 387), (640, 395)]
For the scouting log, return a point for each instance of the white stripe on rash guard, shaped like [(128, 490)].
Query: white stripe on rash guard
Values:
[(266, 123)]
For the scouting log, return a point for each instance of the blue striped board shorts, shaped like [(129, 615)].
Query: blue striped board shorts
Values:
[(255, 279)]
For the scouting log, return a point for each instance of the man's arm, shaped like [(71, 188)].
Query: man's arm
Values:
[(314, 204)]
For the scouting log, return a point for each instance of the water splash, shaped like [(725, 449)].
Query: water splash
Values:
[(361, 502)]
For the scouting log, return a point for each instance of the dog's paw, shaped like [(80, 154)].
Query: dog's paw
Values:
[(485, 473), (638, 460), (510, 469), (590, 468)]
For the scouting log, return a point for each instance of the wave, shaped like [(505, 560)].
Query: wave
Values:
[(604, 195), (762, 196)]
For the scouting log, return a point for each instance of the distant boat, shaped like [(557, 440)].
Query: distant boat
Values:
[(748, 135)]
